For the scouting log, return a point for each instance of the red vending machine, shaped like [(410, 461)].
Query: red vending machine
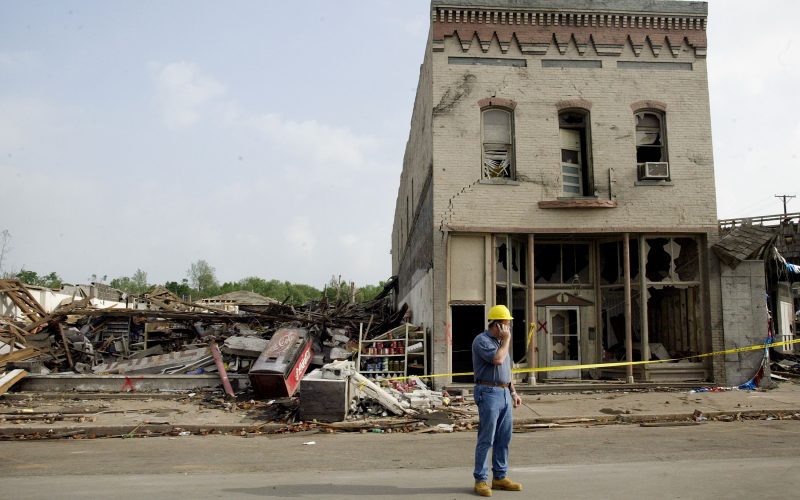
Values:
[(278, 370)]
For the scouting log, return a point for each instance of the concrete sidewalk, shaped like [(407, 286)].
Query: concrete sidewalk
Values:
[(31, 415), (642, 405)]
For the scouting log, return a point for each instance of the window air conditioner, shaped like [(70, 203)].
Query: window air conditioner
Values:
[(653, 170)]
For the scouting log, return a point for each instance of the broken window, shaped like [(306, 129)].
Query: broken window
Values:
[(611, 259), (650, 137), (672, 260), (687, 262), (658, 260), (498, 147), (576, 178), (511, 260), (561, 263), (511, 273)]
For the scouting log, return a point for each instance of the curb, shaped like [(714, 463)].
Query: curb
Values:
[(159, 430), (145, 430)]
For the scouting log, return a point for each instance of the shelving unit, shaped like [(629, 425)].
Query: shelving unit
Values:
[(388, 355)]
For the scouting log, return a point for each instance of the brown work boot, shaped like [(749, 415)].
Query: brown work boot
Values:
[(482, 489), (506, 484)]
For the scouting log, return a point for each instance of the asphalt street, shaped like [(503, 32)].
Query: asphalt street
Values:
[(754, 459)]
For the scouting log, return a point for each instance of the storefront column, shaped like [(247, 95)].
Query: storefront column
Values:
[(644, 335), (532, 354), (628, 309)]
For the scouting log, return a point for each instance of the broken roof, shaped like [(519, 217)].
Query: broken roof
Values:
[(744, 243), (241, 297)]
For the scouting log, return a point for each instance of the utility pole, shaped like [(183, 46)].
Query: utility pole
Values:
[(785, 197)]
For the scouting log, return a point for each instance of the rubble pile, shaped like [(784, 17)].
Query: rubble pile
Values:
[(785, 364), (167, 335)]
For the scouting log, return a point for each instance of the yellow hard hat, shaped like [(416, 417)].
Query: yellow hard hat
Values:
[(499, 312)]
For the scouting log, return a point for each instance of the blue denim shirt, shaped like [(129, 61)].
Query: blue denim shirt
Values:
[(484, 347)]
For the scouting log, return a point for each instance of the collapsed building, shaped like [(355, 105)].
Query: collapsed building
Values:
[(559, 162), (103, 331)]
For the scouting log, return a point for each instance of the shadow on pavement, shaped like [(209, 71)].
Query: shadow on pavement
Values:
[(368, 490)]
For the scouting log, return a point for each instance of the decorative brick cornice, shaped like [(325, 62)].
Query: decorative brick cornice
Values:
[(535, 30), (573, 104), (497, 101), (649, 104)]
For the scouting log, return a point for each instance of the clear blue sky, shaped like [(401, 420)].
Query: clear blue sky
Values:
[(267, 137)]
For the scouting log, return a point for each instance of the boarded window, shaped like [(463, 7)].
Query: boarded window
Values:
[(467, 268)]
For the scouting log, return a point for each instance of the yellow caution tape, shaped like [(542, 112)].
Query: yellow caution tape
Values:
[(610, 365)]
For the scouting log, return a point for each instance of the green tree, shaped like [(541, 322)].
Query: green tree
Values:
[(182, 289), (29, 277), (52, 280), (135, 285), (369, 292), (203, 278)]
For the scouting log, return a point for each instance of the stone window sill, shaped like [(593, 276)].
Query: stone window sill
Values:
[(578, 203), (653, 183)]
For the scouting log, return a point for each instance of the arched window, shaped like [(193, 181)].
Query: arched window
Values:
[(497, 143), (651, 145), (650, 137), (576, 168)]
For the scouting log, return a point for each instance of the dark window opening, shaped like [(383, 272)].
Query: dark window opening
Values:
[(547, 263), (576, 264), (556, 263), (610, 269), (611, 260)]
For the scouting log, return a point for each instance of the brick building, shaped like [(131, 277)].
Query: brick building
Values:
[(560, 162)]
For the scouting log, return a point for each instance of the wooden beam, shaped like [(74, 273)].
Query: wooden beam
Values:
[(643, 319), (11, 378), (19, 355), (532, 351)]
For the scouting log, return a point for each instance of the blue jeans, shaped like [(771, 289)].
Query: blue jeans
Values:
[(494, 431)]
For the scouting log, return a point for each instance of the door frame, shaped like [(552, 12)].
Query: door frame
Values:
[(576, 374)]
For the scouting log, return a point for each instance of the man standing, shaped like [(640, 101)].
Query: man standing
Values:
[(495, 396)]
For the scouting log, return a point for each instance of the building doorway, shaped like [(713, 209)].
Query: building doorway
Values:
[(563, 345), (467, 322)]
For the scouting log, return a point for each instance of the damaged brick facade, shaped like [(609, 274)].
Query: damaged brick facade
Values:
[(544, 135)]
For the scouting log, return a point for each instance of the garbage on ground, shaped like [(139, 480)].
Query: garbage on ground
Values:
[(160, 333)]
